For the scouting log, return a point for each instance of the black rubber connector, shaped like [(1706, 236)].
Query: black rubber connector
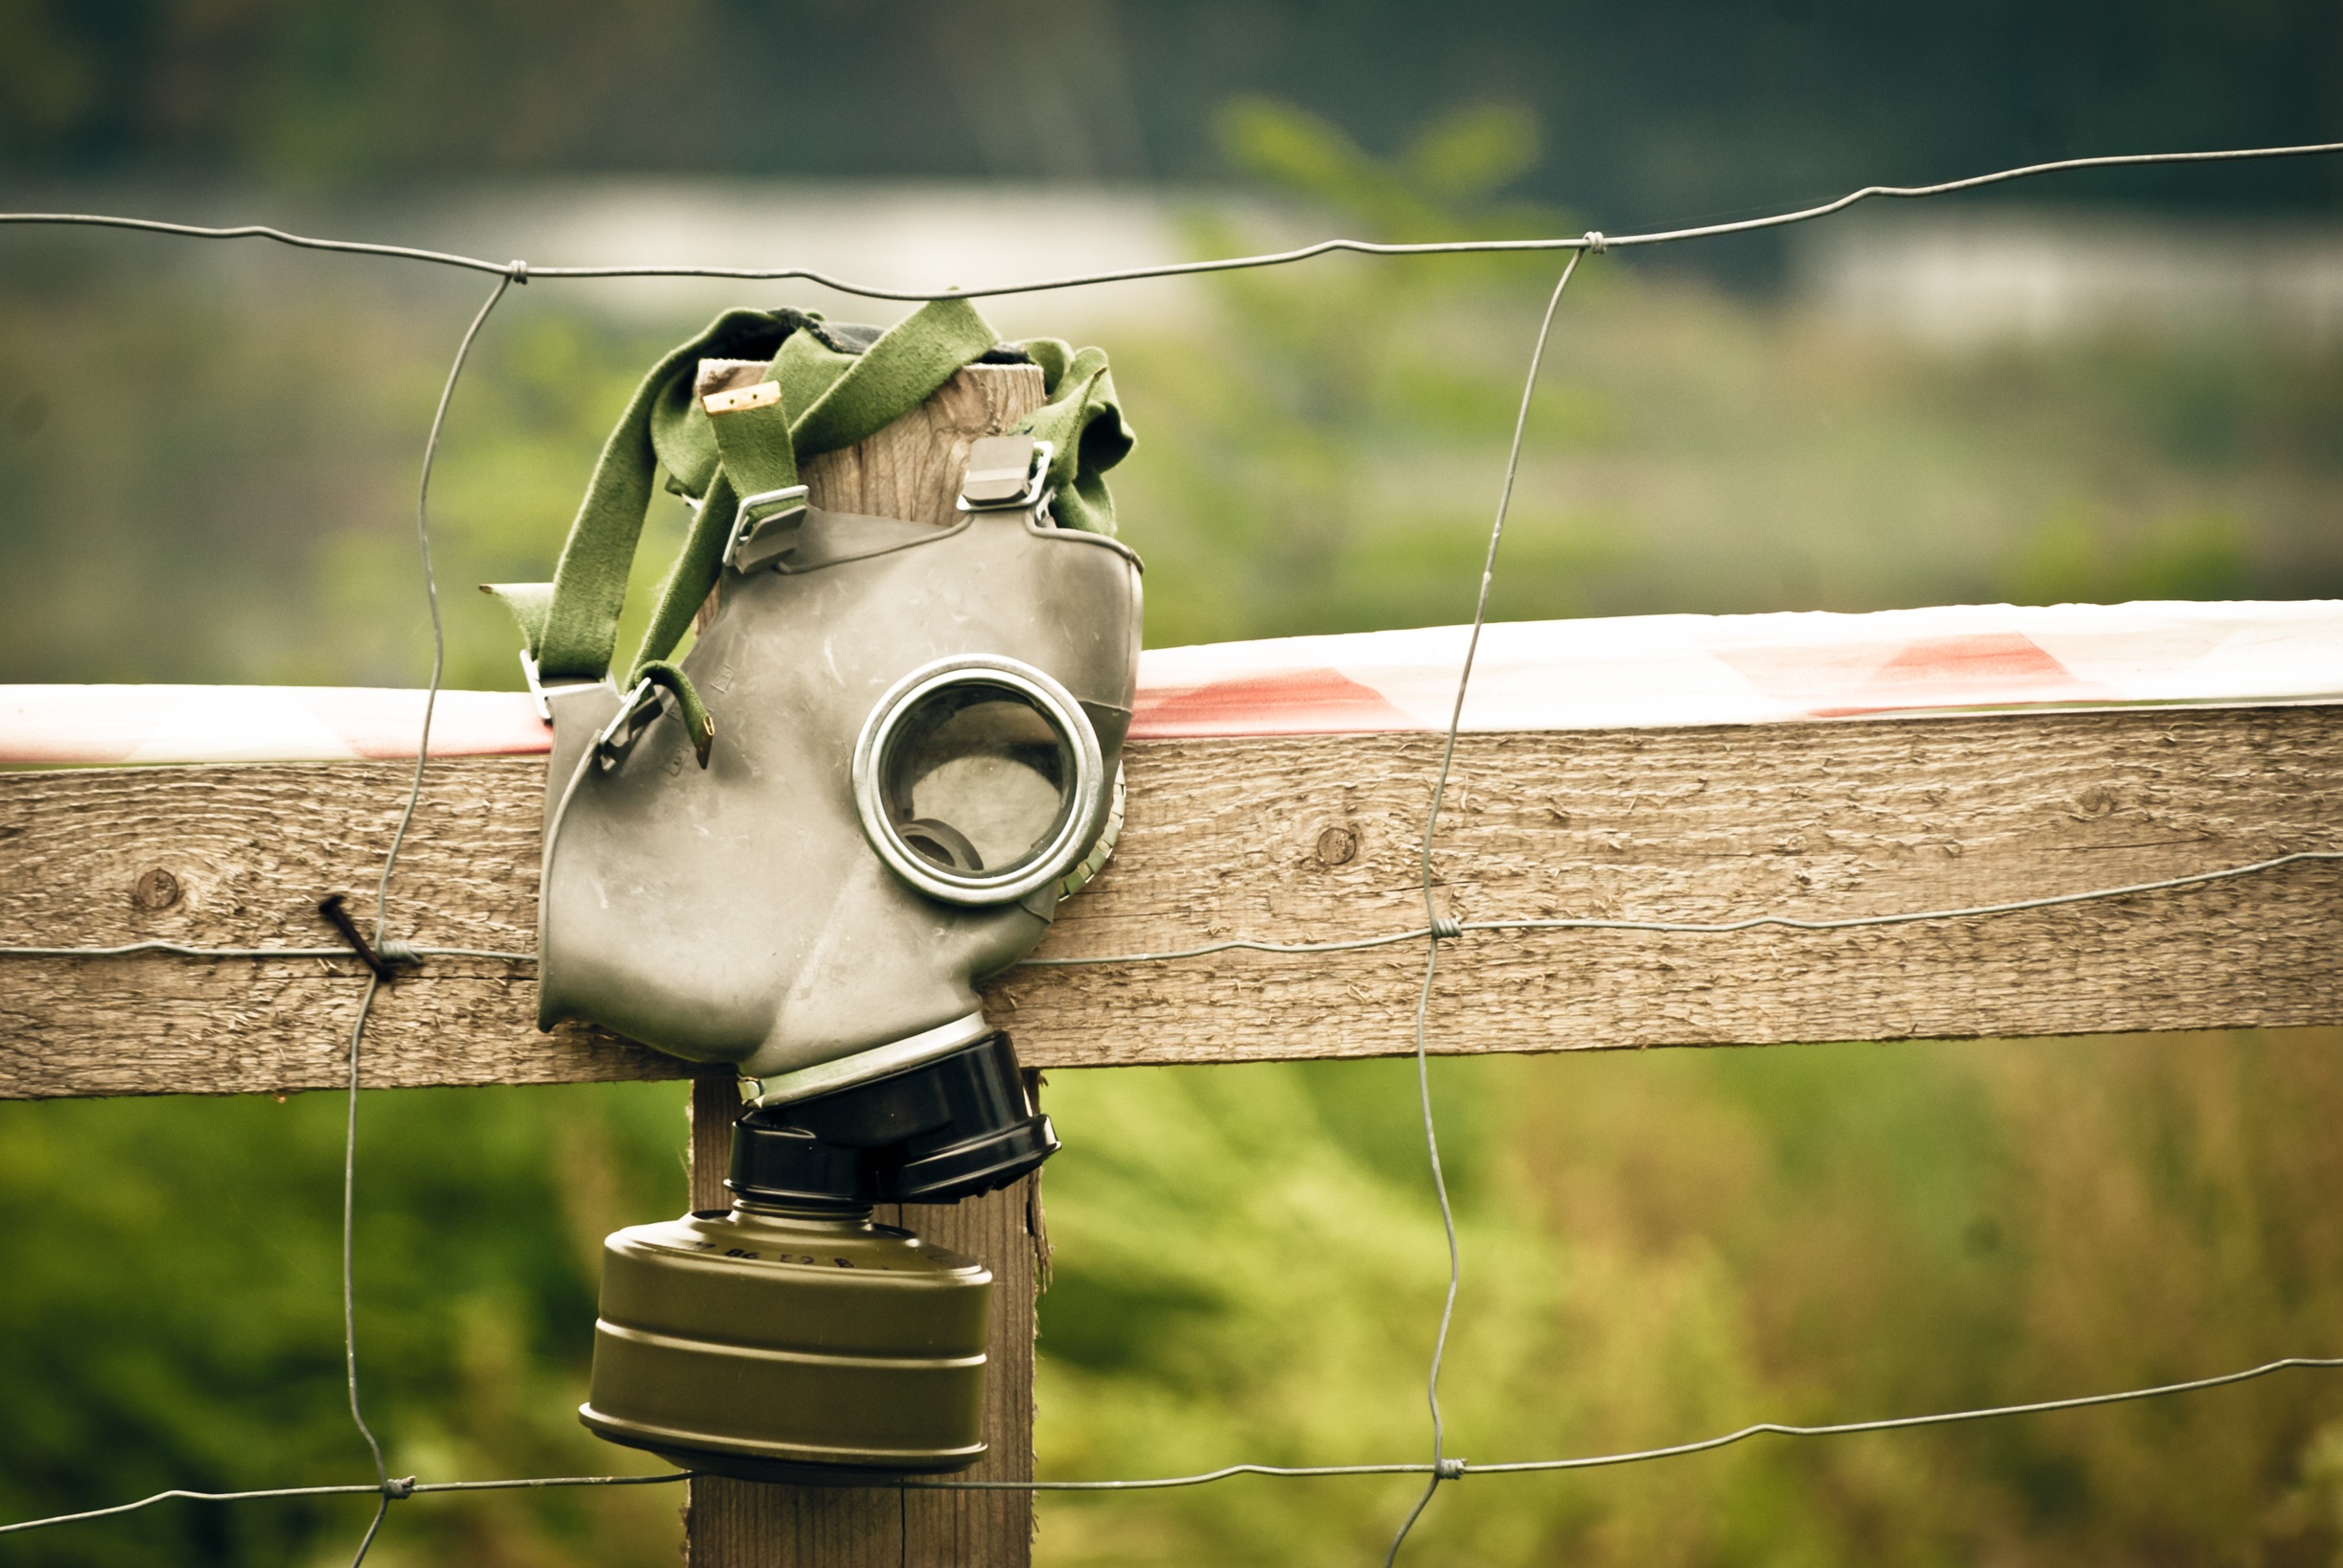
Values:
[(953, 1128)]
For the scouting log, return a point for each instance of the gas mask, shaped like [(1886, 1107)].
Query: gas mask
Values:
[(891, 753)]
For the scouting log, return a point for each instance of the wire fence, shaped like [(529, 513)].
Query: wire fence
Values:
[(1438, 927), (1441, 927), (1593, 241)]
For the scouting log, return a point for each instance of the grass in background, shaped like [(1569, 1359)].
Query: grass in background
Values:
[(1664, 1246), (170, 1317)]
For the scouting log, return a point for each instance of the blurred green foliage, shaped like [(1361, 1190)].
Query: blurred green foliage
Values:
[(1670, 1245), (170, 1312), (203, 479), (1663, 112)]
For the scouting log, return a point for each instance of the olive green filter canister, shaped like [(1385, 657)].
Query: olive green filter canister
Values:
[(772, 1345), (792, 1339)]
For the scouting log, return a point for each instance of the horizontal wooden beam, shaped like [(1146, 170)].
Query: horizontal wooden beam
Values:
[(1310, 839)]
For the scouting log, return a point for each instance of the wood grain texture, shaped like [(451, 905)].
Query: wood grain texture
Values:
[(912, 468), (1818, 821), (1224, 837), (740, 1524), (251, 850)]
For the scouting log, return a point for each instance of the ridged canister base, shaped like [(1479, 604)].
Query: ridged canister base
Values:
[(774, 1346)]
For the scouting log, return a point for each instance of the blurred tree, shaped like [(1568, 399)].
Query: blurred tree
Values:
[(2073, 559), (1315, 435), (1666, 1246)]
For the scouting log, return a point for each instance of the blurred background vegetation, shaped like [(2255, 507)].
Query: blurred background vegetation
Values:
[(206, 469)]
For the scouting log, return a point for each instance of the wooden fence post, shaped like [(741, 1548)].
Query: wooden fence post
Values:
[(910, 470), (741, 1524)]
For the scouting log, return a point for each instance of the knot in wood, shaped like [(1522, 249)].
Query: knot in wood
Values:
[(155, 889), (1337, 847), (2094, 802)]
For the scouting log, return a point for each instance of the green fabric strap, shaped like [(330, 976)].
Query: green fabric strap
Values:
[(696, 720), (848, 398), (831, 397), (572, 623), (1083, 419), (755, 446), (572, 626)]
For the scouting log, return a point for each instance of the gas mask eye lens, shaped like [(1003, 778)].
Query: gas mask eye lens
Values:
[(977, 777)]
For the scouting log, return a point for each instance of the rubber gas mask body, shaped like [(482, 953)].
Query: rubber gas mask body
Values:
[(919, 730), (891, 753)]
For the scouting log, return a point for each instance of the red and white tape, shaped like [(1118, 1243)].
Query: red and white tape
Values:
[(1631, 672)]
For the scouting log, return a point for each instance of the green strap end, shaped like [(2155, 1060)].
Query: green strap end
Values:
[(1083, 420), (697, 720), (531, 605)]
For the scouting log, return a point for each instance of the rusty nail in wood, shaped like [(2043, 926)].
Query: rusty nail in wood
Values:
[(330, 907)]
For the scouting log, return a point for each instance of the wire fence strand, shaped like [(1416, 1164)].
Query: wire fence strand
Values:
[(1391, 938), (382, 917), (1593, 240), (406, 1487), (1455, 1469), (1706, 928), (1438, 927)]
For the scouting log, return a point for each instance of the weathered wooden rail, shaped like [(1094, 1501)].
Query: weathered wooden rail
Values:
[(1302, 840)]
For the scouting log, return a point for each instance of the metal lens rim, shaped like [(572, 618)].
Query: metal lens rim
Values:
[(1075, 828)]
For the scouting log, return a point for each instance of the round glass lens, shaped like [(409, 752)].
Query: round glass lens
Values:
[(977, 779)]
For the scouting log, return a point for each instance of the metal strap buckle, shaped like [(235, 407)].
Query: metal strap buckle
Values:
[(1005, 472), (637, 713), (542, 695), (759, 526)]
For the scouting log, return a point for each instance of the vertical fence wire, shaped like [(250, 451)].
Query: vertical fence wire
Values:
[(1439, 927), (381, 920)]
